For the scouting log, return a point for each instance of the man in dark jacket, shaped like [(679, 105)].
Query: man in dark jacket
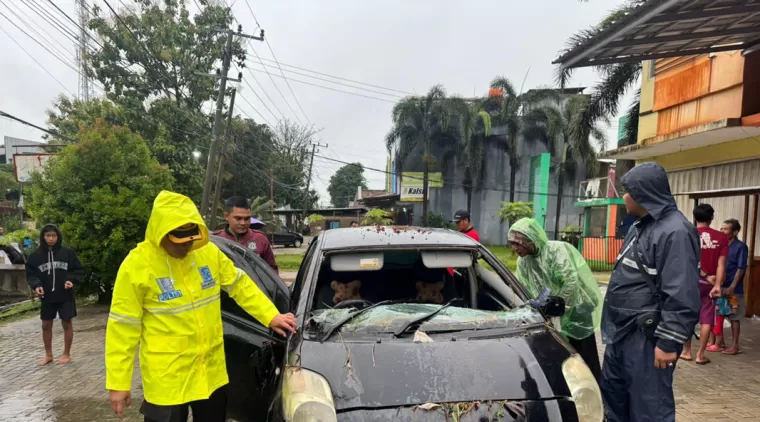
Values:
[(652, 302), (238, 216), (52, 271)]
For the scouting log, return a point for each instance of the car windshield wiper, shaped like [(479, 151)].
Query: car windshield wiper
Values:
[(349, 317), (419, 321)]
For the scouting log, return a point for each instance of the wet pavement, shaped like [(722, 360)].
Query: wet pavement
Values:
[(728, 389)]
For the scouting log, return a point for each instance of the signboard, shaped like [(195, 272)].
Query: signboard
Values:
[(412, 183), (26, 164)]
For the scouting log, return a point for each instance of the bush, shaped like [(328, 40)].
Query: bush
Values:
[(377, 217), (513, 211), (100, 193), (439, 221)]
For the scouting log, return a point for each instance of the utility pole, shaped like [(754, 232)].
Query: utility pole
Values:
[(220, 168), (308, 181), (560, 188), (223, 78), (84, 80)]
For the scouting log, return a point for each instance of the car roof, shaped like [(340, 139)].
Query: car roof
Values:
[(393, 236)]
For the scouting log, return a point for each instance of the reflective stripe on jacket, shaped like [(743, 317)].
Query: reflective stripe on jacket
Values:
[(171, 308)]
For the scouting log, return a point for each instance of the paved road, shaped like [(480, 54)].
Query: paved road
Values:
[(726, 390)]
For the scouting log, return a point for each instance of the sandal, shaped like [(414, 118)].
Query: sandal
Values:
[(703, 362), (715, 349), (688, 359), (732, 351)]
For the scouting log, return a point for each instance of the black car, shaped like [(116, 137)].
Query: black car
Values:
[(415, 341), (286, 237)]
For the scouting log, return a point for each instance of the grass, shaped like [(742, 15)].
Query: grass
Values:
[(19, 312), (291, 262)]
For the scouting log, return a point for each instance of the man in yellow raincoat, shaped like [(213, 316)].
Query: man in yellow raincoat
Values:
[(166, 298), (558, 267)]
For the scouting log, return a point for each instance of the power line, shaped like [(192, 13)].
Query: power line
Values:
[(22, 121), (33, 38), (264, 91), (35, 60), (333, 82), (277, 87), (332, 89)]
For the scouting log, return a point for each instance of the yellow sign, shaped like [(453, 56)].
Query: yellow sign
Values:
[(412, 183)]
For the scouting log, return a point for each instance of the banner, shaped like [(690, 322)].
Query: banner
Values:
[(412, 183)]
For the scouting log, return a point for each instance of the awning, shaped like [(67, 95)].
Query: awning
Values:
[(671, 28), (723, 193), (718, 132)]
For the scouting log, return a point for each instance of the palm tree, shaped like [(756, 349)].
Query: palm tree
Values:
[(420, 121), (474, 129), (605, 98), (553, 125), (508, 111)]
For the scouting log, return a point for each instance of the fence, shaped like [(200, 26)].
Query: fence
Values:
[(600, 251)]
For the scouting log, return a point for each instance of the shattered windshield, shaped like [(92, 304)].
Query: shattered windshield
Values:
[(388, 318)]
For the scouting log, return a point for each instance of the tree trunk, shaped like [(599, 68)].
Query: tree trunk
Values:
[(425, 183), (560, 190), (512, 177), (469, 199)]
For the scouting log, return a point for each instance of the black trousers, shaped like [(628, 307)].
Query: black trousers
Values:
[(634, 390), (213, 409), (586, 347)]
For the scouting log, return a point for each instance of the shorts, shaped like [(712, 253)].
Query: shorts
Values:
[(707, 309), (741, 311), (65, 310)]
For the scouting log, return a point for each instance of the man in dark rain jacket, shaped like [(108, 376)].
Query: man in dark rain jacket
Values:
[(52, 271), (652, 302)]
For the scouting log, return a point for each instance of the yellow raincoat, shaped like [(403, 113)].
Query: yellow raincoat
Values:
[(171, 308)]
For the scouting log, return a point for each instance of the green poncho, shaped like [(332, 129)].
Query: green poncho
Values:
[(559, 267)]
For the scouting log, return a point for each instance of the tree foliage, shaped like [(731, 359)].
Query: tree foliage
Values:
[(513, 211), (100, 193), (344, 183), (377, 217), (289, 159)]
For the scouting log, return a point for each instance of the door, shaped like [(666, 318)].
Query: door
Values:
[(334, 224), (252, 351)]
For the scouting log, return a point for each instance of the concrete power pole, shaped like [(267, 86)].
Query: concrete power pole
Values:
[(220, 167), (308, 181), (84, 80), (223, 78)]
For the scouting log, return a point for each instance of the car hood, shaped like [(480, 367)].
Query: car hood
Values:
[(460, 367)]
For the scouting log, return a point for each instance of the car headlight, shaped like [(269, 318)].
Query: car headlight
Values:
[(584, 390), (307, 397)]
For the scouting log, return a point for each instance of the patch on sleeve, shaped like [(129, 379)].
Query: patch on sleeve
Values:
[(206, 277)]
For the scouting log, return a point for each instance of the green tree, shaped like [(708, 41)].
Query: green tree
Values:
[(475, 127), (100, 192), (344, 183), (508, 111), (8, 181), (149, 64), (247, 163), (422, 121), (377, 217), (513, 211), (605, 99)]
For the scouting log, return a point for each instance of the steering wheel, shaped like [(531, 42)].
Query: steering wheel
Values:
[(355, 303)]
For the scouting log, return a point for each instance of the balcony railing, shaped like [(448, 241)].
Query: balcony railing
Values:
[(599, 188)]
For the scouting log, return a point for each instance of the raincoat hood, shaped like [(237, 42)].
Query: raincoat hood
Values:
[(648, 185), (170, 211), (532, 230), (48, 228)]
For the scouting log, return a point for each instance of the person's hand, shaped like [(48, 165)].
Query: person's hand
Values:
[(40, 291), (283, 324), (68, 285), (715, 292), (663, 360), (120, 399), (712, 279), (728, 291)]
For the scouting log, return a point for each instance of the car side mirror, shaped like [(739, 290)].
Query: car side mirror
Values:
[(554, 307)]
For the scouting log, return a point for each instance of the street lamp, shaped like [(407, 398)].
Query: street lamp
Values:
[(196, 155)]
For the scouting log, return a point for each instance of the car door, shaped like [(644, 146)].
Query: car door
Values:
[(252, 351)]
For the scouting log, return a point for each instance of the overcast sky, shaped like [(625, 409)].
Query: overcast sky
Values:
[(397, 44)]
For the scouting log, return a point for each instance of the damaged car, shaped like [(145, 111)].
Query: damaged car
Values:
[(403, 324)]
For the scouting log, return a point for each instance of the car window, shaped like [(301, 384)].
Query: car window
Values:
[(297, 285), (413, 287), (261, 274)]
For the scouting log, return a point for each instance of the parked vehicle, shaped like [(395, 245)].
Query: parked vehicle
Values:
[(286, 237), (407, 342)]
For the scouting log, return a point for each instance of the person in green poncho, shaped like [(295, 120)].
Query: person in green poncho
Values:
[(557, 268)]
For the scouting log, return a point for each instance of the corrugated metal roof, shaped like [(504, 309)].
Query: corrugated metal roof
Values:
[(671, 28)]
